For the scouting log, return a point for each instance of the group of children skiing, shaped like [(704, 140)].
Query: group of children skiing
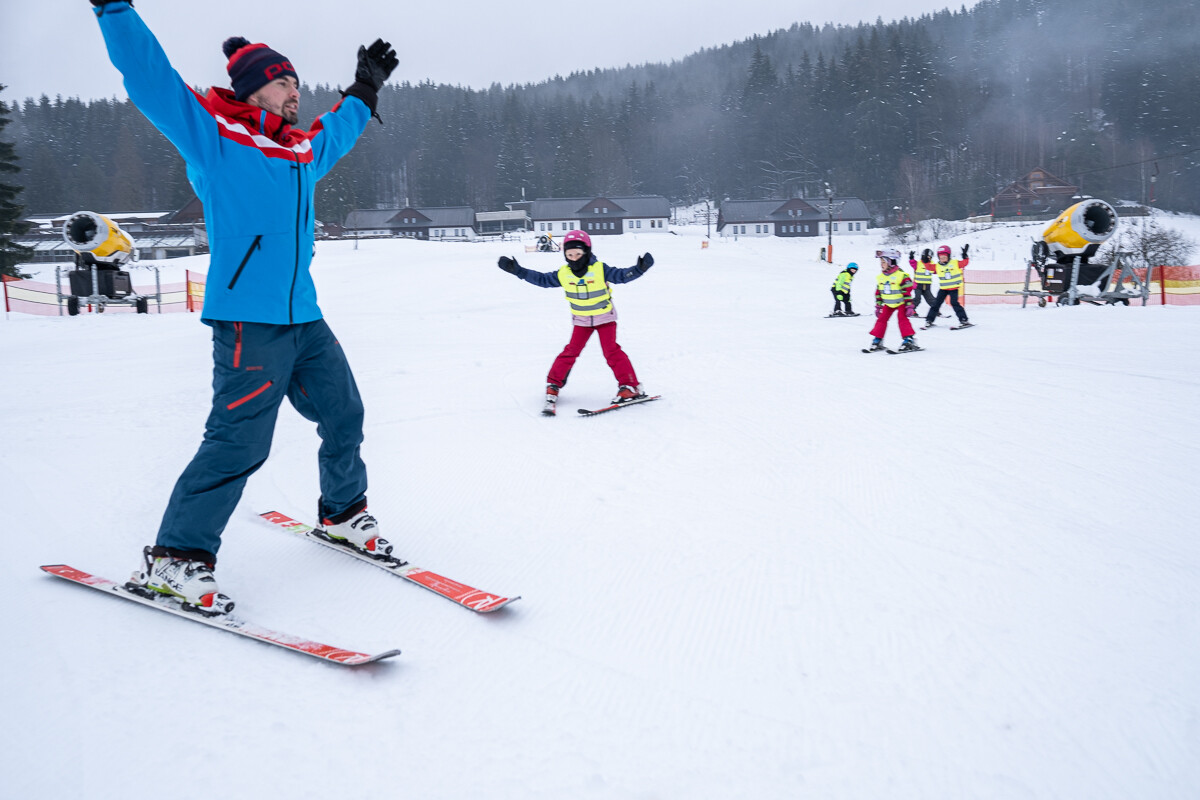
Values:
[(899, 294)]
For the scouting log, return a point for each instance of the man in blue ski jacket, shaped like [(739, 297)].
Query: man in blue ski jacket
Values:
[(255, 175)]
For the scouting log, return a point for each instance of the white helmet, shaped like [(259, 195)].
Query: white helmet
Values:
[(891, 254)]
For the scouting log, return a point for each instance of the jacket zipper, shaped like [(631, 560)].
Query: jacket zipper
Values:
[(246, 258), (296, 263)]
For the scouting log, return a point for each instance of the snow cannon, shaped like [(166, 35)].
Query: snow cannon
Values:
[(1079, 231), (96, 239)]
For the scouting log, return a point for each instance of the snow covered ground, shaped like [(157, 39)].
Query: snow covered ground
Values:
[(806, 572)]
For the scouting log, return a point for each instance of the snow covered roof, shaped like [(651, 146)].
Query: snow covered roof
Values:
[(462, 216), (370, 218)]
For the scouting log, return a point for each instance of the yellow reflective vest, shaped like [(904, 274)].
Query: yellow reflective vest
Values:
[(589, 295), (950, 274), (890, 288)]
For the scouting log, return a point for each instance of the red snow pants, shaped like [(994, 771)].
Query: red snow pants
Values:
[(906, 328), (617, 360)]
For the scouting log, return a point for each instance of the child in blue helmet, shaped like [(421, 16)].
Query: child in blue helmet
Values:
[(841, 291)]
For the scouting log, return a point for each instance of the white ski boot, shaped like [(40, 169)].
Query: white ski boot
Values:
[(189, 580), (360, 531)]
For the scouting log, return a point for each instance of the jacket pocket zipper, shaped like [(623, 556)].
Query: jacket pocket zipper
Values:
[(245, 259), (250, 396)]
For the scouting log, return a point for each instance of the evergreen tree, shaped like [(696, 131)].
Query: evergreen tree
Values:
[(11, 211)]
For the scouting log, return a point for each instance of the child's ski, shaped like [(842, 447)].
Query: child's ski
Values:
[(591, 413), (462, 594), (964, 325), (226, 622), (902, 352)]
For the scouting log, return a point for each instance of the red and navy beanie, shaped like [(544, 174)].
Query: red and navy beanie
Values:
[(253, 66)]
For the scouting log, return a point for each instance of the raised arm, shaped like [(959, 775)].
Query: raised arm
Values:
[(153, 84)]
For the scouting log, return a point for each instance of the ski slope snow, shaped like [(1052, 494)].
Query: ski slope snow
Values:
[(805, 572)]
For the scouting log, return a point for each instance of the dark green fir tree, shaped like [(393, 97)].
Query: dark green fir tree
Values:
[(11, 211)]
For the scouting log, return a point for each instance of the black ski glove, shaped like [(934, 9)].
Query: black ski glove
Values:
[(102, 3), (509, 265), (966, 247), (912, 255), (375, 64), (644, 263)]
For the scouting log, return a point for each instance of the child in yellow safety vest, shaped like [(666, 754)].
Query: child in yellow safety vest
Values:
[(893, 289), (841, 291), (950, 284), (923, 274), (586, 281)]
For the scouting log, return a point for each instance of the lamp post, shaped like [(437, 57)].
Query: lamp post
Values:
[(829, 207), (829, 224)]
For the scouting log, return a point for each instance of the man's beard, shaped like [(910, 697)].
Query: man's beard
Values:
[(290, 115)]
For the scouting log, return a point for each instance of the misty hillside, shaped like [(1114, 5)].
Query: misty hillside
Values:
[(933, 114)]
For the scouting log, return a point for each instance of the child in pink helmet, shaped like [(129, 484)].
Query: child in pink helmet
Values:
[(586, 281), (950, 284)]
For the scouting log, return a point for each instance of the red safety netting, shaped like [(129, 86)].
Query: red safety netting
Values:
[(40, 298)]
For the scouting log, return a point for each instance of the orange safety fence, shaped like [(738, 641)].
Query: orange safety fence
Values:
[(1175, 286), (40, 298)]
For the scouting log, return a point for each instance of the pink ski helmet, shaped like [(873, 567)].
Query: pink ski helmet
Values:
[(577, 239), (944, 250)]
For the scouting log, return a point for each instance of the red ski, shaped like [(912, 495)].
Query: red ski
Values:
[(593, 412), (226, 622), (462, 594)]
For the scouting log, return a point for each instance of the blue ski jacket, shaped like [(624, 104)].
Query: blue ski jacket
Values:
[(255, 174)]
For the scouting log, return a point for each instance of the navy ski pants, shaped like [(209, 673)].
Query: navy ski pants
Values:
[(256, 365)]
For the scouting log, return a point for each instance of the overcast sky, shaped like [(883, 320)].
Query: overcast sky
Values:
[(54, 47)]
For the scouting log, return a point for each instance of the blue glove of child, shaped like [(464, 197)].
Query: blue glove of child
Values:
[(509, 265)]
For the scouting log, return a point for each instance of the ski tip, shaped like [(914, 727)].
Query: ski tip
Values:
[(497, 606), (363, 658)]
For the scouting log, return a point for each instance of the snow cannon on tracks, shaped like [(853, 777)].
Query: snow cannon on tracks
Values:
[(1061, 258), (101, 249)]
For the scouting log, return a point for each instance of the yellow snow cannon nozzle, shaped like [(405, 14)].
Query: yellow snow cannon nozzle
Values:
[(89, 232), (1081, 229)]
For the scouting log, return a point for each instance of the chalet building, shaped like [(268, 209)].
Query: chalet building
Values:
[(1038, 193), (371, 222), (792, 218), (497, 223), (600, 216), (453, 222)]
